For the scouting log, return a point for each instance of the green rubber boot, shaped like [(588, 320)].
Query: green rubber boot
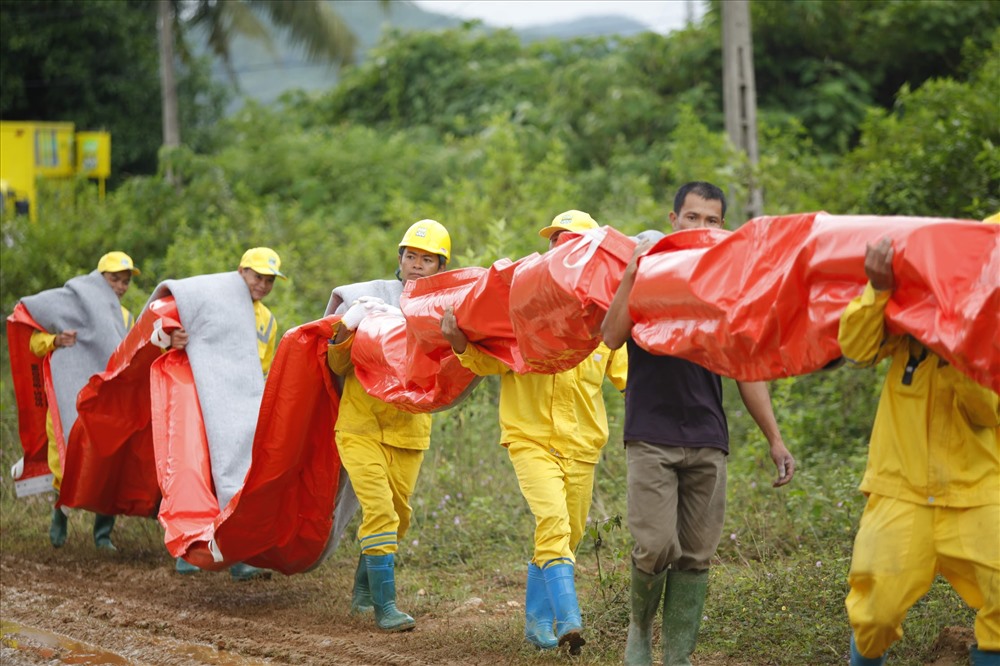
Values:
[(242, 572), (185, 568), (382, 583), (361, 599), (102, 532), (647, 592), (57, 528), (683, 604)]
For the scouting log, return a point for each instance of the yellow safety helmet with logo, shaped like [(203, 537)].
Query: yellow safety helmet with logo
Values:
[(571, 220), (429, 236), (116, 261)]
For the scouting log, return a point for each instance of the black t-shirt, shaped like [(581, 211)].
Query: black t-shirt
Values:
[(673, 402)]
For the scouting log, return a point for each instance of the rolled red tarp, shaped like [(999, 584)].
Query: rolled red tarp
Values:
[(765, 301)]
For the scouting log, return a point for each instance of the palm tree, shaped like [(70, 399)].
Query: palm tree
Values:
[(311, 24)]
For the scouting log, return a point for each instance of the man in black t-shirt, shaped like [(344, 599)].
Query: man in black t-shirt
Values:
[(676, 443)]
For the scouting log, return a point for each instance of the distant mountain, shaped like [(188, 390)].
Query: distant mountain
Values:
[(264, 76), (590, 26)]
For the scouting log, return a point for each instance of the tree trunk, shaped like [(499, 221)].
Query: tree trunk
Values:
[(168, 86), (739, 93)]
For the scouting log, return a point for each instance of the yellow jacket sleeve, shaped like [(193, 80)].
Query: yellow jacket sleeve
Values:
[(338, 356), (479, 362), (617, 370), (42, 343), (862, 336)]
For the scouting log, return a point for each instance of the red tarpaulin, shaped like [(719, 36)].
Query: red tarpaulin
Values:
[(765, 301), (139, 446), (110, 465), (33, 391)]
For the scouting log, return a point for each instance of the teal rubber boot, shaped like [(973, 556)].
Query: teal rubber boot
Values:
[(683, 603), (57, 527), (102, 532), (646, 594), (185, 568), (538, 613), (858, 660), (978, 657), (562, 595), (241, 572), (361, 598), (382, 584)]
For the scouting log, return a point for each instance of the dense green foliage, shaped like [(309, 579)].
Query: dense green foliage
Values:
[(493, 137), (95, 63)]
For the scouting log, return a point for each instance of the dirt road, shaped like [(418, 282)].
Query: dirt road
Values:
[(72, 607)]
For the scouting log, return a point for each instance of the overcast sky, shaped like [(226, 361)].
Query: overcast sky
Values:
[(660, 15)]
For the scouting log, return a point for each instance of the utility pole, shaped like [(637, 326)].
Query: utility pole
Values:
[(739, 93)]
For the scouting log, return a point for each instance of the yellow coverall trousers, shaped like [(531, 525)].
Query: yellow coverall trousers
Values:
[(558, 491), (901, 546), (383, 477)]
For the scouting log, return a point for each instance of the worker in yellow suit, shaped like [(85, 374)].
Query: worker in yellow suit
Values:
[(554, 427), (932, 481), (259, 267), (117, 269), (380, 446)]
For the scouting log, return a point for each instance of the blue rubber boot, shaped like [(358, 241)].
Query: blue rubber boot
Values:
[(102, 532), (538, 613), (858, 660), (241, 572), (185, 568), (980, 658), (361, 598), (562, 595), (382, 583)]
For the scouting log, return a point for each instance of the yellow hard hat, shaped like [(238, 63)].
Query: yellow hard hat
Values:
[(116, 261), (571, 220), (263, 260), (993, 219), (429, 236)]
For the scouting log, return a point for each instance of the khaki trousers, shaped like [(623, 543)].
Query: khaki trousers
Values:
[(676, 505)]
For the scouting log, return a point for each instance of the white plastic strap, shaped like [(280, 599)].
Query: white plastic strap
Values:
[(214, 549), (159, 337), (590, 240)]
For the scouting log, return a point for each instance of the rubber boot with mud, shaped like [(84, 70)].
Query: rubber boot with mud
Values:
[(382, 583), (58, 526), (646, 594), (562, 595), (361, 598), (683, 603), (857, 659), (538, 613), (102, 532)]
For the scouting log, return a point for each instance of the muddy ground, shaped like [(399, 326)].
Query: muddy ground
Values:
[(66, 607)]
